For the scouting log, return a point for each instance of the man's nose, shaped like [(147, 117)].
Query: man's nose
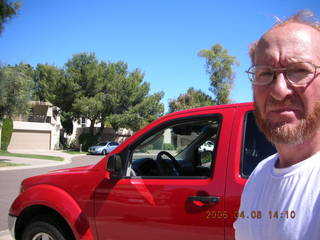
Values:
[(280, 87)]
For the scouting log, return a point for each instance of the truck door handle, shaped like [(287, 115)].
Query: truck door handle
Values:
[(204, 199)]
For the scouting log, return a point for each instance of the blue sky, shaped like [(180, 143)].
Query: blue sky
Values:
[(161, 37)]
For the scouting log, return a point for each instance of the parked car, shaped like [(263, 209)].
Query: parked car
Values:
[(140, 191), (103, 148), (207, 146)]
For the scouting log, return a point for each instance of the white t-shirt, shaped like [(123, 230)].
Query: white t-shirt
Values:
[(281, 203)]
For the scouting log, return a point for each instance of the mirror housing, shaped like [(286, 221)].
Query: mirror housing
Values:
[(114, 166)]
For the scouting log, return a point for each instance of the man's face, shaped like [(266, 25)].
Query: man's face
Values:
[(285, 113)]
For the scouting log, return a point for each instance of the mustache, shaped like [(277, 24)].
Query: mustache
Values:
[(280, 133), (289, 101)]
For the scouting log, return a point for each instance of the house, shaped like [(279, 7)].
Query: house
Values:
[(83, 126), (42, 130), (39, 131)]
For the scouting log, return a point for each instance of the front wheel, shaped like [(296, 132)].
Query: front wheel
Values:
[(43, 230)]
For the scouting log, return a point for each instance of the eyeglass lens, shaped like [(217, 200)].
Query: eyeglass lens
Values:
[(296, 73)]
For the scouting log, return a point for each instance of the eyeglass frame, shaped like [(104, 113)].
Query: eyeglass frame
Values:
[(251, 75)]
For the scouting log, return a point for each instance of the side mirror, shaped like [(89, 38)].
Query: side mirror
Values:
[(114, 166)]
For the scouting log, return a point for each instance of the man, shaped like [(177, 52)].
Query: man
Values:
[(285, 188)]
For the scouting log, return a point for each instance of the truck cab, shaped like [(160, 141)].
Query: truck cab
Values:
[(160, 183)]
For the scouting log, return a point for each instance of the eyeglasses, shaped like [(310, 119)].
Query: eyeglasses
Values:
[(298, 74)]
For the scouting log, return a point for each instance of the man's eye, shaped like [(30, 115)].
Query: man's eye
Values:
[(264, 74), (300, 71)]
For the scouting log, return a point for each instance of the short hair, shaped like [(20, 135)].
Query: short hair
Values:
[(303, 16)]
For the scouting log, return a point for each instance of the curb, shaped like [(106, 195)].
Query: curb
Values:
[(39, 163), (47, 164)]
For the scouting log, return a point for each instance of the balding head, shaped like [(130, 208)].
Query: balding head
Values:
[(305, 18), (292, 41)]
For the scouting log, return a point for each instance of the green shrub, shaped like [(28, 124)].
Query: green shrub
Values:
[(206, 156), (168, 146), (6, 133), (87, 140)]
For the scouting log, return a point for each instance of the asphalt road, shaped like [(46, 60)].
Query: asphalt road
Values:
[(10, 182)]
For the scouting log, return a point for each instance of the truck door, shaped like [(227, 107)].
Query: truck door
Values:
[(174, 186), (248, 147)]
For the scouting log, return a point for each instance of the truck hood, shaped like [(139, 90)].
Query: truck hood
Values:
[(76, 169), (59, 177)]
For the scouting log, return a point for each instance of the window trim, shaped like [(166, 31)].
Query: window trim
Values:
[(244, 131), (243, 143)]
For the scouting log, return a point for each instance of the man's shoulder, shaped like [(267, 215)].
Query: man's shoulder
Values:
[(265, 165), (258, 177)]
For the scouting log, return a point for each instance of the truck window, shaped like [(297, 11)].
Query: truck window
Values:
[(182, 149), (255, 146)]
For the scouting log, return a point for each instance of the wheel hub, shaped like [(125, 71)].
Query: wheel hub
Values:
[(42, 236)]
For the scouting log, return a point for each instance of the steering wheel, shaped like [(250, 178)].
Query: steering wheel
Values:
[(162, 165)]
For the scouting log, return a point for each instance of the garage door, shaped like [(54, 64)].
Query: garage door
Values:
[(37, 140)]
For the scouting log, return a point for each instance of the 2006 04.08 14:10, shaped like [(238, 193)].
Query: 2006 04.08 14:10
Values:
[(255, 214)]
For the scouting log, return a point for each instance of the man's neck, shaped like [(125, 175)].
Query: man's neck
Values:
[(290, 154)]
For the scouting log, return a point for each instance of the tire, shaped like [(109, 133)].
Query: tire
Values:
[(43, 229), (104, 152)]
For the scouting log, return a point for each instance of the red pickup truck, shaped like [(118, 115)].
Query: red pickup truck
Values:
[(161, 183)]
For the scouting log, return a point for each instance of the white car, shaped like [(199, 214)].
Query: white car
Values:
[(103, 148), (207, 146)]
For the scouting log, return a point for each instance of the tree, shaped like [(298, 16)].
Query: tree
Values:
[(139, 115), (192, 99), (115, 97), (90, 108), (7, 11), (105, 93), (15, 86), (6, 133), (85, 73), (50, 84), (219, 66), (128, 103), (74, 89)]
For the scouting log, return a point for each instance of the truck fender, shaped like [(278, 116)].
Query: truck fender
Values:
[(58, 200)]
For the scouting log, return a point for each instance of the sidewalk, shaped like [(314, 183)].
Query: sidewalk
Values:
[(5, 235), (36, 163)]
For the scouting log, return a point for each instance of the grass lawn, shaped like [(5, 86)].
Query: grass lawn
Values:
[(74, 152), (9, 164), (35, 156)]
